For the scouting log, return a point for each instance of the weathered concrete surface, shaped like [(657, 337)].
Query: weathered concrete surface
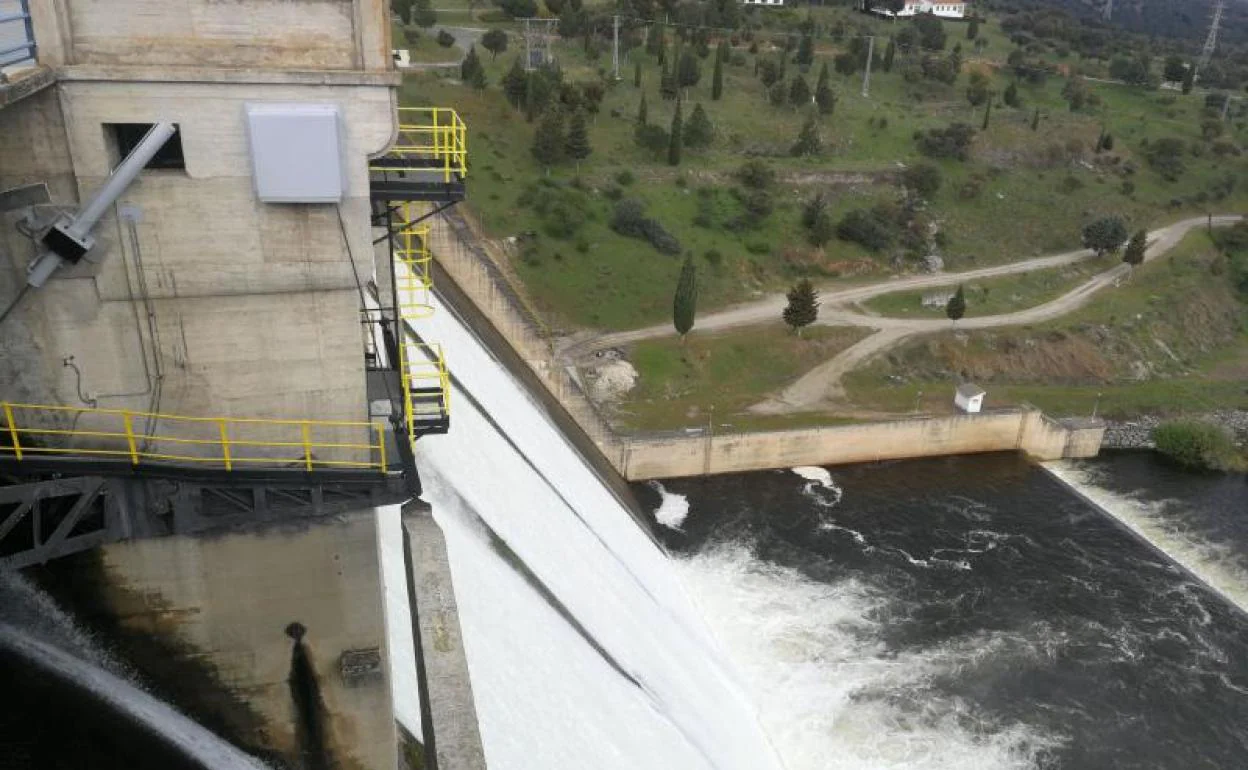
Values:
[(447, 706), (226, 602), (1028, 431)]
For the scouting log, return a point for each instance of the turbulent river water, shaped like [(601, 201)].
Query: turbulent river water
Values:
[(973, 612)]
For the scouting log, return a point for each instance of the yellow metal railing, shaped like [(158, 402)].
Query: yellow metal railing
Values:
[(413, 277), (33, 430), (423, 369), (433, 134)]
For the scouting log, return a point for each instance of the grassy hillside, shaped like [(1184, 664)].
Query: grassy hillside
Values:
[(1172, 339), (1021, 192)]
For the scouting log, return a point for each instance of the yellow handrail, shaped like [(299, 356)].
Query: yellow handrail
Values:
[(224, 441), (436, 134)]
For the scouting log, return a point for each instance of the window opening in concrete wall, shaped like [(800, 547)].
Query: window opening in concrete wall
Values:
[(125, 136)]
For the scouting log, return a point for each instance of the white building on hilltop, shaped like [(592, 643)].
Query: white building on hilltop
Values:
[(763, 2), (944, 9)]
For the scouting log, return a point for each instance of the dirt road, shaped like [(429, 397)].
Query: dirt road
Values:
[(822, 384)]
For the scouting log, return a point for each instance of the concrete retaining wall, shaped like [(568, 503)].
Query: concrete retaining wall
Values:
[(1024, 430)]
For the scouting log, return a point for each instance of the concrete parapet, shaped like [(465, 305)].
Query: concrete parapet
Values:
[(452, 739)]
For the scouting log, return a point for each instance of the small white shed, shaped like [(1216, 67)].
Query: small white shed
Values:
[(969, 397)]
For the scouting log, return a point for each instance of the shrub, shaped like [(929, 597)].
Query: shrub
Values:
[(445, 39), (1198, 445), (951, 142), (923, 179), (630, 219), (713, 256), (756, 175), (562, 210), (625, 178), (867, 227)]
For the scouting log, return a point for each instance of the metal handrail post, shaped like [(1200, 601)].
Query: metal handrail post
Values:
[(8, 416)]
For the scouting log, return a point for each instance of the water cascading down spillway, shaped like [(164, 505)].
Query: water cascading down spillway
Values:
[(583, 647)]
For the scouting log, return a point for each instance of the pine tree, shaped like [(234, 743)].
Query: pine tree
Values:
[(637, 74), (667, 83), (803, 307), (698, 131), (972, 29), (685, 303), (1011, 96), (799, 92), (577, 143), (890, 53), (515, 84), (641, 112), (688, 73), (808, 141), (675, 138), (987, 113), (1189, 78), (822, 228), (655, 41), (717, 79), (1035, 120), (1134, 255), (548, 139), (825, 98), (470, 66), (956, 307)]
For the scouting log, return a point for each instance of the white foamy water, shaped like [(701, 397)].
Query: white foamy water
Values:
[(595, 657), (819, 486), (831, 696), (192, 740), (1214, 564), (673, 508)]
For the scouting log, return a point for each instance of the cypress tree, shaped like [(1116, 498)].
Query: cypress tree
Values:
[(824, 96), (805, 51), (675, 137), (641, 111), (972, 29), (577, 143), (890, 53), (987, 113), (956, 307), (1189, 78), (698, 131), (784, 65), (1035, 120), (637, 74), (799, 92), (1134, 255), (803, 307), (717, 79), (685, 303), (548, 139)]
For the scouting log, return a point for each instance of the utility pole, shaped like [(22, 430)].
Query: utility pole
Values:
[(866, 75), (1211, 42), (528, 47), (615, 47)]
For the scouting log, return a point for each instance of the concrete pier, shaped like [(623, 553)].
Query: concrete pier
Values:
[(452, 738)]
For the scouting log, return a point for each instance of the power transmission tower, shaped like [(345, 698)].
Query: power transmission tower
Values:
[(866, 75), (1211, 42), (537, 36), (1107, 12)]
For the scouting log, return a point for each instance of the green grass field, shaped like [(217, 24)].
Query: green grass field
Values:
[(717, 377), (993, 296)]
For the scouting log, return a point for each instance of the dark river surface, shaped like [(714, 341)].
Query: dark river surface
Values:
[(973, 612)]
